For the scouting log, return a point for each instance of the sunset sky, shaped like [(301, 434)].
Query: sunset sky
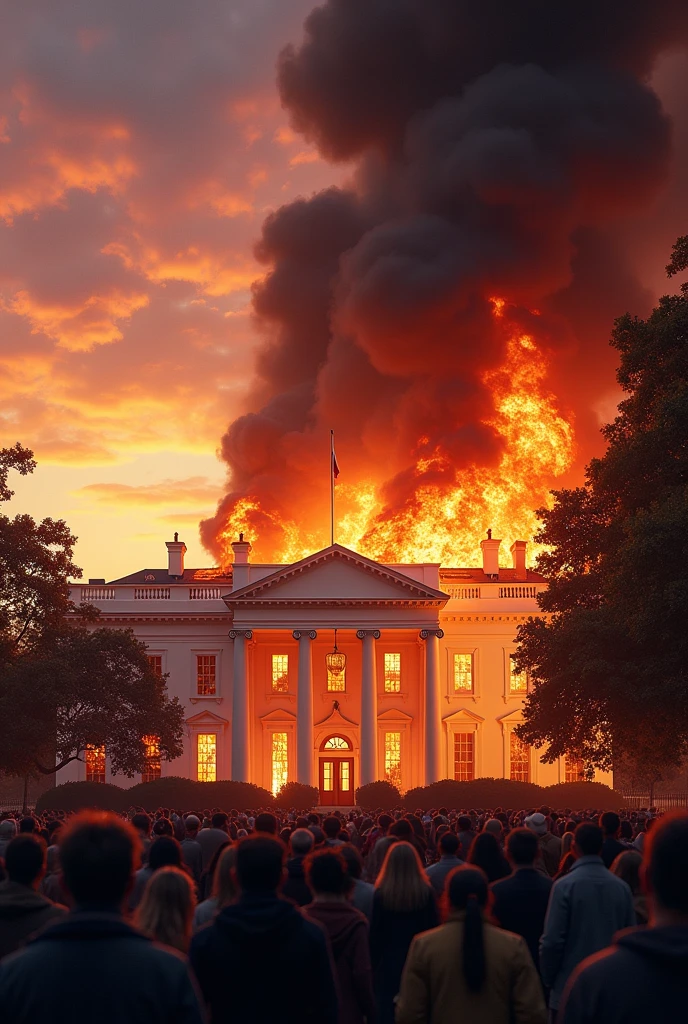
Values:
[(141, 147)]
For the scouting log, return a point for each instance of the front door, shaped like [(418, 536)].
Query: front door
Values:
[(336, 781)]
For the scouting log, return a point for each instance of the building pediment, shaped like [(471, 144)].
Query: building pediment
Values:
[(336, 575), (208, 718)]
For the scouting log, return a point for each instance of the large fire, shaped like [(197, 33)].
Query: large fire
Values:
[(444, 523)]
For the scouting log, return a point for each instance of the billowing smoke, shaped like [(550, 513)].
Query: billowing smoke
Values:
[(421, 310)]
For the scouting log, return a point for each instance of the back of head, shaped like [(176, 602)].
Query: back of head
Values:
[(354, 862), (331, 826), (165, 852), (25, 859), (219, 820), (485, 851), (627, 867), (266, 823), (166, 909), (327, 874), (522, 847), (464, 823), (192, 823), (466, 890), (494, 825), (449, 844), (402, 882), (384, 821), (99, 853), (610, 822), (163, 827), (301, 841), (588, 839), (224, 885), (665, 862), (27, 825), (259, 864), (402, 829), (141, 823)]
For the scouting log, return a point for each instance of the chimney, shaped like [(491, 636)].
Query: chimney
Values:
[(490, 550), (241, 567), (176, 549), (518, 554)]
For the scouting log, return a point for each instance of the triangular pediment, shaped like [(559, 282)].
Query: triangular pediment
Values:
[(207, 718), (512, 716), (335, 718), (278, 715), (333, 575), (394, 715), (463, 713)]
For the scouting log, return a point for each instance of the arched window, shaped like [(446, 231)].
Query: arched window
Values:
[(336, 743)]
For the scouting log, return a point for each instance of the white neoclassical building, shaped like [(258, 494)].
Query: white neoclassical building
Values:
[(335, 670)]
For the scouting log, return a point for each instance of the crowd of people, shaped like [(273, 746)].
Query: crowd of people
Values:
[(476, 916)]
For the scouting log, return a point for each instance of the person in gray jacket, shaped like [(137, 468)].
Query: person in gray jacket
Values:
[(437, 873), (586, 909)]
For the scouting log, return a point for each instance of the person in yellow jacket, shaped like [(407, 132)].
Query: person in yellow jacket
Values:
[(468, 970)]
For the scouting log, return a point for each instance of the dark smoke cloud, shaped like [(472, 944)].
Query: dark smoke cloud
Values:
[(495, 147)]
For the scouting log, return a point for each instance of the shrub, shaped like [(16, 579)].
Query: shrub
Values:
[(298, 795), (477, 793), (378, 794), (76, 796), (582, 795), (185, 794)]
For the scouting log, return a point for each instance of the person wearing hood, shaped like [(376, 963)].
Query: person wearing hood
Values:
[(295, 887), (262, 947), (645, 972), (347, 930), (23, 910)]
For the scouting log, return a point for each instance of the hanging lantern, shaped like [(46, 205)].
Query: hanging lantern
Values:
[(335, 660)]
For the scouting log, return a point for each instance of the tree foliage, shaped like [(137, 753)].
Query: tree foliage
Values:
[(609, 666), (64, 682)]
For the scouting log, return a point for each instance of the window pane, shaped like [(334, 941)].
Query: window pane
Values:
[(155, 662), (205, 675), (392, 673), (280, 673), (207, 757), (518, 681), (344, 776), (463, 673), (464, 756), (337, 743), (336, 683), (520, 759), (152, 754), (575, 769), (328, 771), (393, 758), (95, 763), (280, 761)]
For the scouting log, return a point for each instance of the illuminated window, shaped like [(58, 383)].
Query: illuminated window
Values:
[(155, 662), (207, 757), (280, 673), (393, 758), (205, 675), (392, 673), (463, 673), (336, 682), (464, 756), (519, 753), (280, 761), (328, 772), (95, 763), (518, 681), (152, 755), (575, 769), (345, 776), (337, 743)]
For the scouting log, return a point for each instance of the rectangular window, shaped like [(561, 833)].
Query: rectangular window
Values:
[(392, 673), (280, 761), (464, 756), (336, 682), (205, 675), (152, 754), (327, 775), (463, 673), (518, 681), (280, 673), (393, 758), (95, 763), (155, 662), (519, 769), (575, 769), (344, 776), (207, 757)]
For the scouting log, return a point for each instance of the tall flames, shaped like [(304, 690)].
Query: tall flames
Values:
[(442, 523)]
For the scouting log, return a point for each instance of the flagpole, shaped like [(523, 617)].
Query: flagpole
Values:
[(332, 487)]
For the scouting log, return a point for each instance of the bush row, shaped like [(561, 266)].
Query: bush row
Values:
[(171, 791), (491, 793)]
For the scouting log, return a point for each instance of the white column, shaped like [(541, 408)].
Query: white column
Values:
[(304, 707), (241, 726), (368, 706), (433, 709)]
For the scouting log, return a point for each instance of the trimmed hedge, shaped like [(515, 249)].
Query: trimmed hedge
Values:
[(582, 795), (513, 795), (378, 794), (298, 795), (74, 796), (171, 791)]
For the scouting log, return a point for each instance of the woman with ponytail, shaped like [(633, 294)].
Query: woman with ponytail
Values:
[(467, 969)]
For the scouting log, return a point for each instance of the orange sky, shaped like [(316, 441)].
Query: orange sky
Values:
[(141, 147)]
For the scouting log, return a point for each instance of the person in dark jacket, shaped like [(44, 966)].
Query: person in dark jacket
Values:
[(610, 823), (93, 963), (295, 887), (23, 910), (519, 902), (466, 834), (347, 930), (448, 846), (261, 948), (644, 974), (192, 853), (404, 905), (211, 839)]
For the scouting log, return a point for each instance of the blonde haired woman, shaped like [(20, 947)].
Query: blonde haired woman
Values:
[(166, 911), (224, 891), (403, 905)]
